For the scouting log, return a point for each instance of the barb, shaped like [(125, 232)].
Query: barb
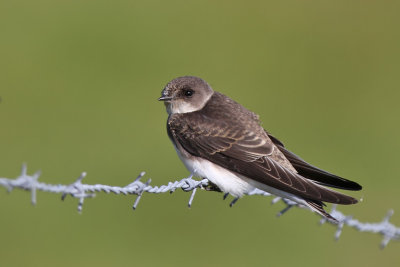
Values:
[(82, 191)]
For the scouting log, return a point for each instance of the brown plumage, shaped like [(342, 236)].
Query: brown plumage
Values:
[(225, 133)]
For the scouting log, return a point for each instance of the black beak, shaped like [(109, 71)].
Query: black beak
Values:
[(165, 98)]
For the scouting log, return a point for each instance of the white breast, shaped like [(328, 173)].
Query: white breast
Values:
[(230, 182), (227, 181)]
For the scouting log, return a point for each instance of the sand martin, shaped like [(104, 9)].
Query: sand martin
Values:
[(220, 140)]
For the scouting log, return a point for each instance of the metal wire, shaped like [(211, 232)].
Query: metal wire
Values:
[(82, 191)]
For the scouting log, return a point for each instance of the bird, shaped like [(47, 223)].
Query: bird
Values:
[(220, 140)]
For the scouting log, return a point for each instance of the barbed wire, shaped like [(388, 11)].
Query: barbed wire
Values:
[(82, 191)]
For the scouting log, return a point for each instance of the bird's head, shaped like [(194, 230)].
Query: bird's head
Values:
[(186, 94)]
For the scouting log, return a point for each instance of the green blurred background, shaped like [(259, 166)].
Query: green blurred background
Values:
[(79, 82)]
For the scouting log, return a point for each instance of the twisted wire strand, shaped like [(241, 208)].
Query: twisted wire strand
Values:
[(82, 191)]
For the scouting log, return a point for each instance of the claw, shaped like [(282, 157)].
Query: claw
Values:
[(233, 201), (288, 207)]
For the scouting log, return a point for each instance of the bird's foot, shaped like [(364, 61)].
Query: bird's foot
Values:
[(212, 187)]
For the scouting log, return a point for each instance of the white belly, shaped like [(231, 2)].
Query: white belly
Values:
[(230, 182), (227, 181)]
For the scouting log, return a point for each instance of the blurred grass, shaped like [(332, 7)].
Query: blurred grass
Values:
[(79, 82)]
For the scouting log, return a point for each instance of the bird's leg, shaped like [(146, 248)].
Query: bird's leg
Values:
[(233, 201), (212, 187)]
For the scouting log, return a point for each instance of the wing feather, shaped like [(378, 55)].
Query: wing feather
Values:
[(313, 173), (240, 144)]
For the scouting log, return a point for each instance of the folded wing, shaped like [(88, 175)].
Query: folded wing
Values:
[(313, 173), (232, 146)]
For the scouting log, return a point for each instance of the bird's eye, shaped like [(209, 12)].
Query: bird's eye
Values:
[(189, 92)]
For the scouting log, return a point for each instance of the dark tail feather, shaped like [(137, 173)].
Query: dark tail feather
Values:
[(313, 173), (318, 207)]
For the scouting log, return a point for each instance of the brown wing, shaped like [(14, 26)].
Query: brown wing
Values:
[(211, 140), (237, 142), (311, 172)]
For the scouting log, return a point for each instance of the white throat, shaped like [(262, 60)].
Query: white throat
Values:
[(181, 106)]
